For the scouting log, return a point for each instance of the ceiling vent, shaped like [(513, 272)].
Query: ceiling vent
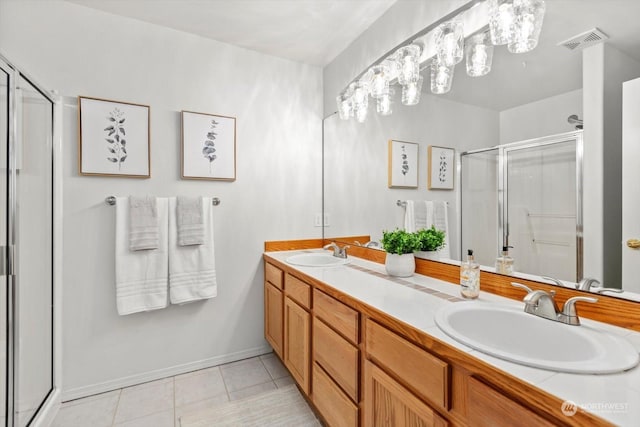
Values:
[(586, 39)]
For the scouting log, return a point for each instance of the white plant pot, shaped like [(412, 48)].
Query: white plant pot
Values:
[(400, 265), (432, 255)]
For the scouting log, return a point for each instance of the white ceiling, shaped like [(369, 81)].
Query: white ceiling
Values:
[(308, 31)]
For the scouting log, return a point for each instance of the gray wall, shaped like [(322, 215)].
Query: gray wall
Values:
[(278, 106)]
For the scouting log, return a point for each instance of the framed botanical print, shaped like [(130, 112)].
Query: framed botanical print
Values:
[(113, 138), (441, 167), (208, 146), (403, 164)]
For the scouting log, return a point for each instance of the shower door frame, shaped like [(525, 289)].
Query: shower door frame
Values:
[(12, 240), (503, 186)]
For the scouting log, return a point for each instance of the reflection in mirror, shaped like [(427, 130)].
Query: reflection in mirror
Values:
[(526, 96)]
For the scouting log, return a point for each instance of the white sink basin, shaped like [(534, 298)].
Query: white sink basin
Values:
[(316, 260), (511, 334)]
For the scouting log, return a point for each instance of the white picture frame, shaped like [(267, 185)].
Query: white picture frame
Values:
[(403, 164), (441, 162), (208, 146), (114, 138)]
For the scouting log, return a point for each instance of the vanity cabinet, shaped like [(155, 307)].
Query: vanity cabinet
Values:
[(336, 360), (273, 308), (297, 330), (361, 367), (389, 404)]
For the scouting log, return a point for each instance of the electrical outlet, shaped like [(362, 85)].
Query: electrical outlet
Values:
[(318, 220), (326, 220)]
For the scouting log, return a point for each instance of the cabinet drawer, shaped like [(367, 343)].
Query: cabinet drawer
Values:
[(426, 375), (489, 407), (337, 357), (339, 316), (273, 275), (333, 404), (298, 291)]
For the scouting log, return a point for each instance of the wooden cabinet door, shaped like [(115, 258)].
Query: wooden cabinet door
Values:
[(297, 330), (388, 404), (273, 317)]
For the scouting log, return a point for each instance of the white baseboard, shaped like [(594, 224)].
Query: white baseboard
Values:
[(49, 410), (89, 390)]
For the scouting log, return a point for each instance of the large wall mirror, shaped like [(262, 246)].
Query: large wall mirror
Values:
[(538, 111)]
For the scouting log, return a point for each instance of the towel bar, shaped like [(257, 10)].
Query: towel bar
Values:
[(403, 204), (111, 200)]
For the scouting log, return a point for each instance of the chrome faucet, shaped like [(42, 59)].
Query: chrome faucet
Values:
[(543, 304), (587, 284), (337, 250)]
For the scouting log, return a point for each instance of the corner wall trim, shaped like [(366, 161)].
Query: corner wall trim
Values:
[(89, 390)]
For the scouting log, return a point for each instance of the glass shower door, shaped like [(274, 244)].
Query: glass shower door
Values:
[(480, 204), (542, 208)]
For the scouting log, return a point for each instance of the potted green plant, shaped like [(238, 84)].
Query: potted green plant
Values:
[(431, 241), (400, 246)]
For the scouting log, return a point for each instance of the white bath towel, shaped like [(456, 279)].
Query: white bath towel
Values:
[(141, 276), (409, 217), (417, 215), (192, 269), (143, 223), (190, 223), (441, 222)]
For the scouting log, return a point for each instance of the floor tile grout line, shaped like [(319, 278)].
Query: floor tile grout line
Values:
[(174, 402)]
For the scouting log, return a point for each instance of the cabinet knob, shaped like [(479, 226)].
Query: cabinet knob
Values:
[(633, 243)]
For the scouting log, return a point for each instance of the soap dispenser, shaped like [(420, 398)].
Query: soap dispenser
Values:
[(469, 277), (504, 263)]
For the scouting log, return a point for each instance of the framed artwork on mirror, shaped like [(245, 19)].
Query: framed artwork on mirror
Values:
[(113, 138), (403, 164), (208, 146), (441, 166)]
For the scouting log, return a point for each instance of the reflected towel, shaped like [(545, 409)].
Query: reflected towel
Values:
[(441, 222), (192, 271), (143, 223), (190, 224), (141, 276), (409, 217)]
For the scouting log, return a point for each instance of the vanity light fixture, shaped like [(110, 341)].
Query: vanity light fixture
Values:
[(383, 103), (379, 85), (528, 17), (501, 20), (411, 92), (441, 77), (479, 55), (409, 65), (449, 38)]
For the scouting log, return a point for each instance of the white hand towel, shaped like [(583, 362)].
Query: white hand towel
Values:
[(409, 217), (190, 224), (141, 276), (192, 269), (143, 223), (428, 215), (441, 222)]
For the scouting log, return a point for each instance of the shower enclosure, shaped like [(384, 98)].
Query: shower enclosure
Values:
[(527, 195), (26, 233)]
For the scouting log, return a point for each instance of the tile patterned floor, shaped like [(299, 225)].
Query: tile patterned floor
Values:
[(160, 403)]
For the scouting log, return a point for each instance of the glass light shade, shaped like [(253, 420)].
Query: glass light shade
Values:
[(383, 104), (393, 68), (449, 39), (360, 112), (407, 58), (529, 15), (441, 77), (479, 55), (411, 92), (379, 81), (344, 106), (501, 20)]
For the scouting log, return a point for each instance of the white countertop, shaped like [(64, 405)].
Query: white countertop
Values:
[(613, 397)]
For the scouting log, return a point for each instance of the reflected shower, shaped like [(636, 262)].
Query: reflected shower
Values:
[(574, 120)]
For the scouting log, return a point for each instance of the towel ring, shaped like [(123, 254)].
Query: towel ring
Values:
[(111, 201)]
